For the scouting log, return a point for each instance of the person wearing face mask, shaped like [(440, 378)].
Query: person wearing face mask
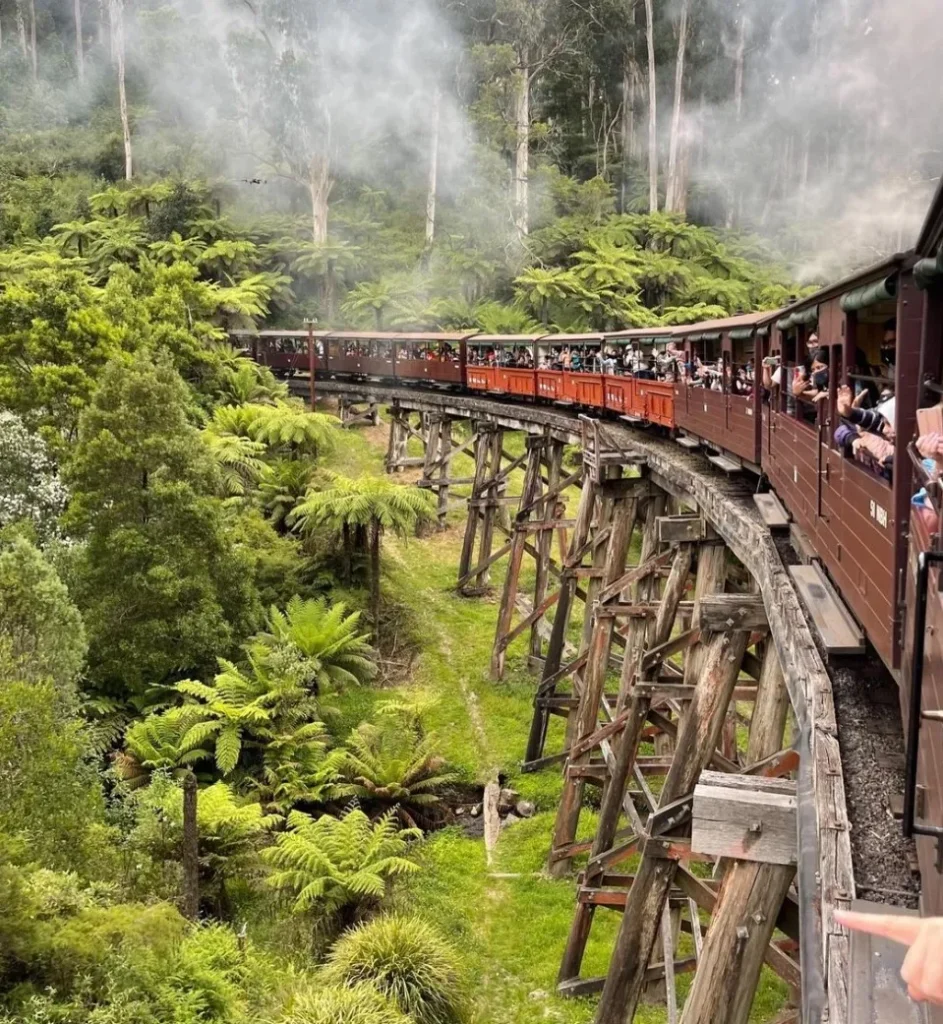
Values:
[(815, 385)]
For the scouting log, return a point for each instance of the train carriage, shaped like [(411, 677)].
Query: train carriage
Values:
[(716, 400), (502, 364), (632, 391), (853, 507), (922, 669), (437, 359)]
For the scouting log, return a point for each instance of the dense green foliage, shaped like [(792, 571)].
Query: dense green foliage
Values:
[(224, 742)]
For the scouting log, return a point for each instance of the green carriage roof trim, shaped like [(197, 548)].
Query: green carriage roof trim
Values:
[(929, 272), (870, 294), (763, 332), (710, 336), (742, 334), (807, 316)]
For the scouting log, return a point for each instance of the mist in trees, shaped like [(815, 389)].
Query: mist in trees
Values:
[(769, 118)]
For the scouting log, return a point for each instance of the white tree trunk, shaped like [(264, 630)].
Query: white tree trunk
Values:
[(675, 188), (522, 153), (21, 28), (628, 127), (79, 42), (652, 109), (738, 66), (117, 42), (433, 189), (32, 39), (319, 188)]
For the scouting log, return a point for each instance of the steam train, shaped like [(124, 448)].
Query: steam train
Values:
[(728, 390)]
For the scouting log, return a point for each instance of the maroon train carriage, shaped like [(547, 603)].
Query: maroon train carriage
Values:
[(716, 401), (437, 359), (922, 669), (285, 353), (853, 506)]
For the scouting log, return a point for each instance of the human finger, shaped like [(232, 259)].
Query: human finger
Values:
[(904, 930), (923, 966)]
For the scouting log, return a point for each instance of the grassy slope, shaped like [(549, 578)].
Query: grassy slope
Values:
[(513, 929)]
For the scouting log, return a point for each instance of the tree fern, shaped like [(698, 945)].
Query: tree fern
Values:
[(322, 641), (392, 767), (339, 865), (374, 504)]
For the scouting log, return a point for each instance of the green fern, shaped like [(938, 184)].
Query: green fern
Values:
[(339, 865), (393, 767)]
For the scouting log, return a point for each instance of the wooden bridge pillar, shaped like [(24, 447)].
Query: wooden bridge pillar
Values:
[(401, 430), (537, 523), (698, 735), (752, 821), (553, 669), (354, 412)]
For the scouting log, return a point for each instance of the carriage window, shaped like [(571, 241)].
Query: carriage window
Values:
[(873, 336), (742, 367)]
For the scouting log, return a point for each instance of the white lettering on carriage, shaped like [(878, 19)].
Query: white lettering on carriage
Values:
[(879, 515)]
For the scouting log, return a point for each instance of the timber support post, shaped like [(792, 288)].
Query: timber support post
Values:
[(357, 412)]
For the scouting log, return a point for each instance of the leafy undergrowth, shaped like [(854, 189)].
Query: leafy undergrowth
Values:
[(510, 918)]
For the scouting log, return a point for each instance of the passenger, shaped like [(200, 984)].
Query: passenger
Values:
[(566, 360), (802, 376), (576, 361)]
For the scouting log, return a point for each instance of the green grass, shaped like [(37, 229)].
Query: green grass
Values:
[(512, 929)]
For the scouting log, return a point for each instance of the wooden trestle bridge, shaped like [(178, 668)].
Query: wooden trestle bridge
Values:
[(689, 618)]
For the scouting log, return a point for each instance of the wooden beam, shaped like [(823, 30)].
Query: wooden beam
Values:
[(749, 818), (681, 529), (721, 613)]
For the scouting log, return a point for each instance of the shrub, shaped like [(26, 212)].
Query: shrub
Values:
[(409, 962), (358, 1005)]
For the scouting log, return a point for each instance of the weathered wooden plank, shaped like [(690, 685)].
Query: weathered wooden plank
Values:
[(634, 576), (838, 631), (737, 943), (750, 818), (721, 612), (680, 529), (772, 511)]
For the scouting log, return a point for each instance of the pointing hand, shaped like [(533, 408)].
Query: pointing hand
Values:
[(923, 966)]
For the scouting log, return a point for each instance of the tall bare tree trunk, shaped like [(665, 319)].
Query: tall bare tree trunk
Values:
[(117, 43), (522, 153), (103, 18), (21, 27), (738, 66), (628, 127), (674, 200), (190, 852), (79, 42), (739, 60), (652, 109), (433, 170), (32, 39), (319, 187)]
